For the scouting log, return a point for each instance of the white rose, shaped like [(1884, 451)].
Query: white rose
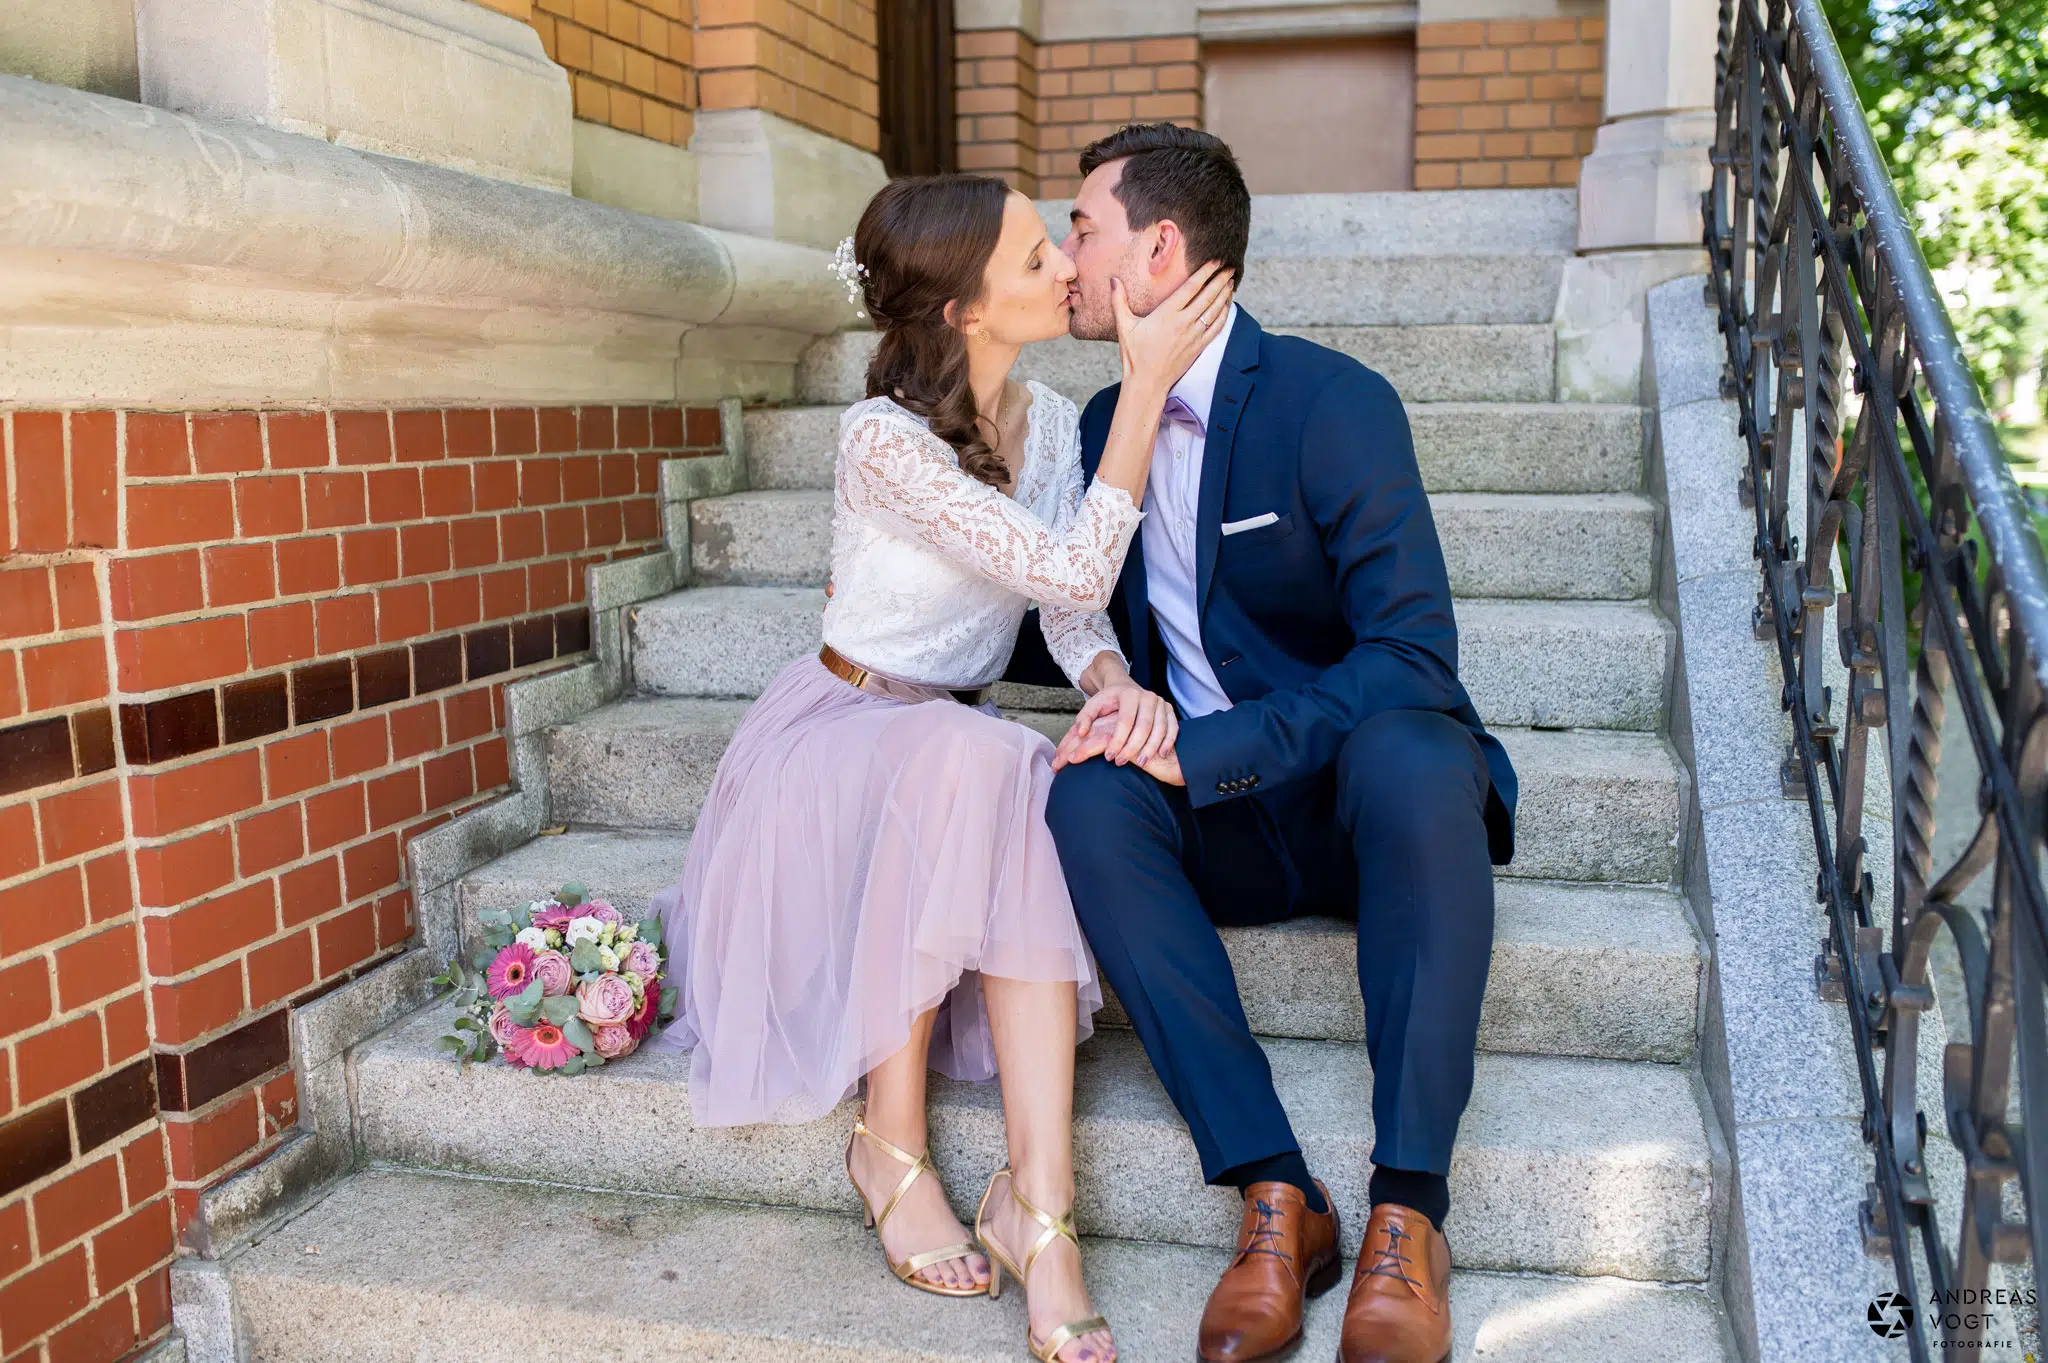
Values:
[(584, 930), (608, 958), (537, 938)]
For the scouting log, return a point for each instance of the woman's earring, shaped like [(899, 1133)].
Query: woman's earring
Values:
[(981, 335)]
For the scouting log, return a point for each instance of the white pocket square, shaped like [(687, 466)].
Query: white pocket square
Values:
[(1249, 523)]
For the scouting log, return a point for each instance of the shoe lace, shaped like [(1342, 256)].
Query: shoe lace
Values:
[(1391, 1261), (1265, 1236)]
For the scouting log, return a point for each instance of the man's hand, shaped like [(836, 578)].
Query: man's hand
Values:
[(1128, 725)]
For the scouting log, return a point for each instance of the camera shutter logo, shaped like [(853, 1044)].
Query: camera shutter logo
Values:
[(1890, 1316)]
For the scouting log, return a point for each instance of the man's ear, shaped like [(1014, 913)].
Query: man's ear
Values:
[(1168, 242)]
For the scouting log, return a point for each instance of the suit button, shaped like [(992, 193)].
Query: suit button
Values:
[(1255, 780), (1223, 787)]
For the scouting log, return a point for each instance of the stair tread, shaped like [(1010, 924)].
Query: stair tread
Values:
[(1608, 971), (1461, 445), (1562, 1163), (1574, 749), (1599, 664), (1595, 545), (1596, 804), (704, 1280)]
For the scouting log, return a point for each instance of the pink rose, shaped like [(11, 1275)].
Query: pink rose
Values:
[(603, 912), (642, 959), (553, 916), (606, 1001), (503, 1028), (612, 1042), (554, 972)]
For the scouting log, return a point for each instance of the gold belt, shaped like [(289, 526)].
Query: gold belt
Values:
[(855, 675)]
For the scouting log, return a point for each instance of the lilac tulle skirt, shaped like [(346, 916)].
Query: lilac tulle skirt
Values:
[(858, 862)]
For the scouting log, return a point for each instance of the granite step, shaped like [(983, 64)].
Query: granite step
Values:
[(1595, 804), (1611, 972), (677, 1278), (1560, 546), (1559, 664), (1459, 446), (1563, 1165), (1510, 363)]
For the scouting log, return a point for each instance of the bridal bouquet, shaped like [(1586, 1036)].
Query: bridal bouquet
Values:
[(560, 985)]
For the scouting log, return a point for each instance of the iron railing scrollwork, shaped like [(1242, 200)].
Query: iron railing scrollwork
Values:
[(1819, 284)]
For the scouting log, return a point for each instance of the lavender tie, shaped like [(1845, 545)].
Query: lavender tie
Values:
[(1178, 413)]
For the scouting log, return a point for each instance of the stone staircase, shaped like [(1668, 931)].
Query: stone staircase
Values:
[(1586, 1189)]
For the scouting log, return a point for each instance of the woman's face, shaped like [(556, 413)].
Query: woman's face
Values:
[(1024, 290)]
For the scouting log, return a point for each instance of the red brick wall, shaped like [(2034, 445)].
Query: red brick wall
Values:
[(1507, 103), (243, 658), (1024, 110), (85, 1222)]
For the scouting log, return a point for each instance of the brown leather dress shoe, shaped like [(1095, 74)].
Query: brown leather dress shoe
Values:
[(1400, 1306), (1285, 1255)]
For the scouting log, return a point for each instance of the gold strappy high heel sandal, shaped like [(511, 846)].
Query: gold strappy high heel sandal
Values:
[(918, 1165), (1045, 1350)]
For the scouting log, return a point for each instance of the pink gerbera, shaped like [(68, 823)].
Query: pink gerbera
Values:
[(542, 1046), (512, 971), (552, 916)]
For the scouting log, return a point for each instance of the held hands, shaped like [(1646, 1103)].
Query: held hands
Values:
[(1158, 347), (1128, 725)]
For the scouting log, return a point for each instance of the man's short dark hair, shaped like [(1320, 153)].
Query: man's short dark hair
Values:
[(1182, 174)]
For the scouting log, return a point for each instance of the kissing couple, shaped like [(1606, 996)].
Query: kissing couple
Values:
[(1232, 557)]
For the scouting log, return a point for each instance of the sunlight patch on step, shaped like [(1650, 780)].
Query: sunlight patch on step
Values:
[(1549, 1317)]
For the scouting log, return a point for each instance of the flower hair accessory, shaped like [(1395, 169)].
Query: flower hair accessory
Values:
[(851, 272)]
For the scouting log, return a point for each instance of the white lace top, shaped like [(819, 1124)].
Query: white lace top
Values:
[(933, 569)]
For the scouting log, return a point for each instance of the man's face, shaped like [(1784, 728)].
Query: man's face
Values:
[(1103, 247)]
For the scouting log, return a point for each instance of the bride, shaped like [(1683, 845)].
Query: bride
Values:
[(871, 889)]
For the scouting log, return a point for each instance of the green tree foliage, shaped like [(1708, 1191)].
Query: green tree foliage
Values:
[(1957, 93)]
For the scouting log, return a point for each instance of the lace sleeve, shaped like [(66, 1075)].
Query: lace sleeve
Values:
[(906, 478), (1075, 637)]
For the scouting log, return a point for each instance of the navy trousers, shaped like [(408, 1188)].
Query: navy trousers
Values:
[(1392, 834)]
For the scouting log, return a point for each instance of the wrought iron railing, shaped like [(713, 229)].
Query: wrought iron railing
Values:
[(1832, 323)]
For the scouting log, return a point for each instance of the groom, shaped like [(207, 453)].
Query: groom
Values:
[(1288, 592)]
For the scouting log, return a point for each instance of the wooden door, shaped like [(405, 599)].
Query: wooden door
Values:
[(916, 40)]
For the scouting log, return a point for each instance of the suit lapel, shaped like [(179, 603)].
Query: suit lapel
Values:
[(1234, 382)]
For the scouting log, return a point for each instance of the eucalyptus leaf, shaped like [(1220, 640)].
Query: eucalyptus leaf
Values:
[(584, 959), (578, 1032), (591, 1060), (572, 895), (668, 1001), (482, 957), (525, 1014), (499, 939), (650, 931), (574, 1065), (560, 1009)]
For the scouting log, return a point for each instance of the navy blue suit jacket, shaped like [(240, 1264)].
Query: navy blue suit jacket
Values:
[(1339, 609)]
